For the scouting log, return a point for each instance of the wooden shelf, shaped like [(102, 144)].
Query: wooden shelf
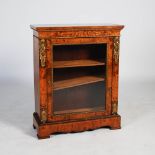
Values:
[(80, 110), (67, 83), (77, 63)]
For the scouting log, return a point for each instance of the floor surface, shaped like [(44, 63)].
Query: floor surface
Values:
[(137, 136)]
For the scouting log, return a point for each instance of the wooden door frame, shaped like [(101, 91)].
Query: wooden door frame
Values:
[(86, 115)]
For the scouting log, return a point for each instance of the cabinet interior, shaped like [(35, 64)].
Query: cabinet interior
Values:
[(79, 78)]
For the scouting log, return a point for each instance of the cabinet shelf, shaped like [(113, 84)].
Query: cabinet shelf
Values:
[(77, 63), (80, 110), (72, 82)]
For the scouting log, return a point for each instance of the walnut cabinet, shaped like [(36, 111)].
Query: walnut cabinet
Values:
[(75, 78)]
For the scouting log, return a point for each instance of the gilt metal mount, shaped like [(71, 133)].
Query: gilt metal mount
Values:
[(116, 49), (43, 116), (42, 52), (114, 107)]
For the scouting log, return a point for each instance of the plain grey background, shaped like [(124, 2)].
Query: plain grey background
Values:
[(137, 76)]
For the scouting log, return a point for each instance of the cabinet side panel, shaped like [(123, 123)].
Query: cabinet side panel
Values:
[(36, 73)]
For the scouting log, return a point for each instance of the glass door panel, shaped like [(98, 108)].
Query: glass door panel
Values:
[(79, 73)]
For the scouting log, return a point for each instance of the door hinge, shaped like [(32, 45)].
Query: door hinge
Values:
[(110, 90)]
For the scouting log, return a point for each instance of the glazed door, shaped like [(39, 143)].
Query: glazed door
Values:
[(80, 78)]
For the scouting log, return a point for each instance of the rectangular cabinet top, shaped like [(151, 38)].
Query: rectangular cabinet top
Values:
[(53, 27)]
